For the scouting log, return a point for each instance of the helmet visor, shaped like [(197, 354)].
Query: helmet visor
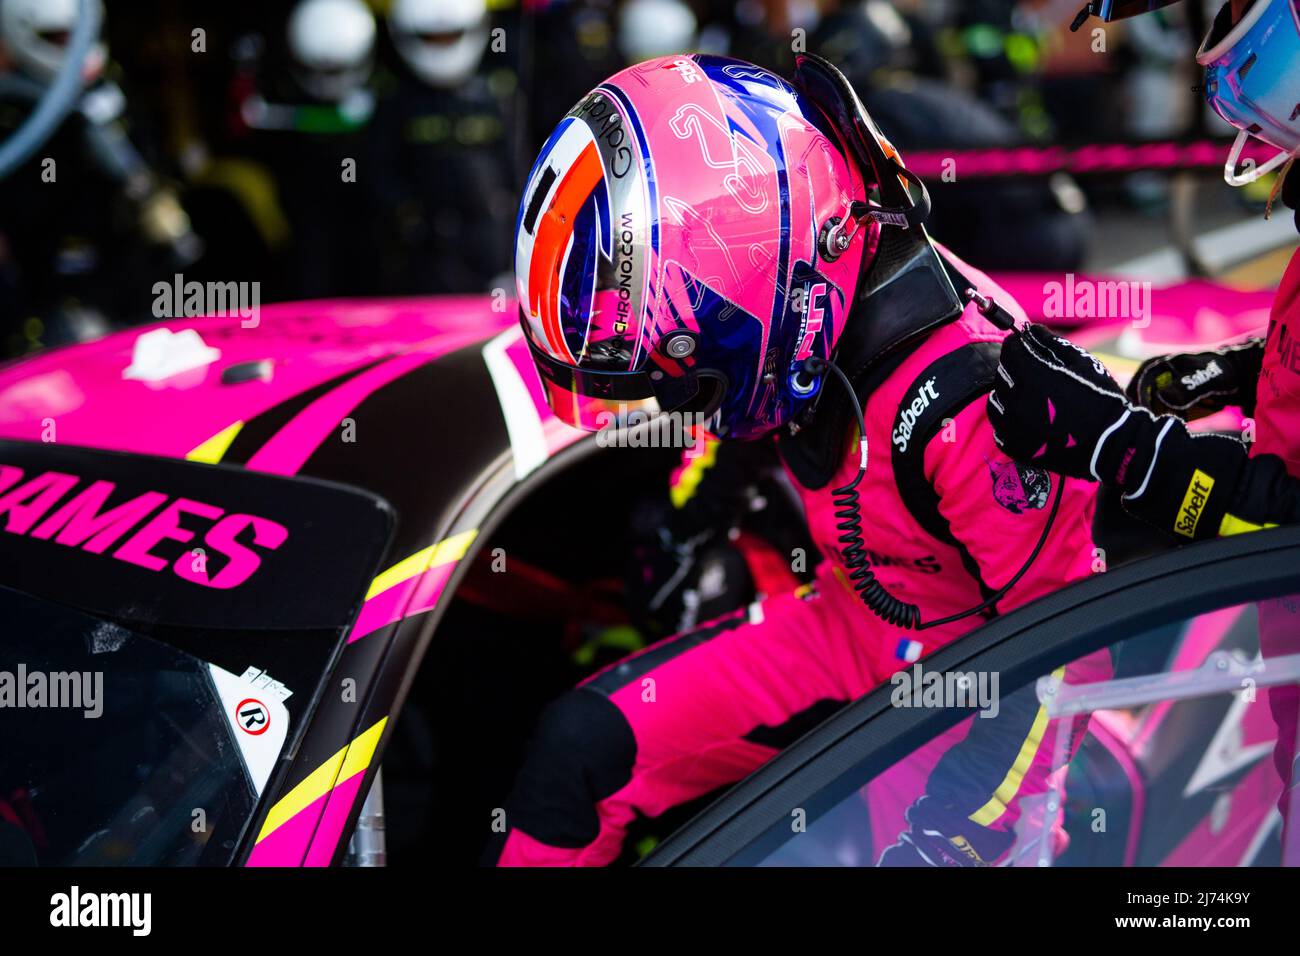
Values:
[(594, 400)]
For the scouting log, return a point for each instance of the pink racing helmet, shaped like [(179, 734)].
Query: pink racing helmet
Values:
[(693, 232)]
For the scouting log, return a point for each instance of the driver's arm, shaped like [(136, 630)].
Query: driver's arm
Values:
[(997, 511)]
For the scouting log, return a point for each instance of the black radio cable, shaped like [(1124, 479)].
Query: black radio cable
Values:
[(848, 522)]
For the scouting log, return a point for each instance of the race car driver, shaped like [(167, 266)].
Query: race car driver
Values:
[(1056, 407), (696, 236)]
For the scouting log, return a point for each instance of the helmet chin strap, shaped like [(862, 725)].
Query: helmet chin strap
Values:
[(1253, 172)]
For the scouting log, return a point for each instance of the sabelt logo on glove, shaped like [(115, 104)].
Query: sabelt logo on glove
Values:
[(1207, 374), (963, 848), (1198, 493)]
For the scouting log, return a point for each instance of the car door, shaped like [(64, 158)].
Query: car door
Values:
[(1176, 765)]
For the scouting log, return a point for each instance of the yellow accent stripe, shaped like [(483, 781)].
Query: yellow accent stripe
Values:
[(349, 761), (212, 449), (693, 473), (1010, 785), (444, 552), (1231, 525), (361, 750)]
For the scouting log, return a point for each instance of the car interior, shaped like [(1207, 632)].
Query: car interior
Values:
[(499, 655)]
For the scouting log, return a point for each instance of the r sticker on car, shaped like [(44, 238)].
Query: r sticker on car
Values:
[(259, 723)]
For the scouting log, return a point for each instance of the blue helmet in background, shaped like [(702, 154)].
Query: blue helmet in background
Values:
[(1252, 74)]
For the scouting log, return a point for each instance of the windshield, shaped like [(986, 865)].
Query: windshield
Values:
[(1161, 754), (165, 628), (114, 749)]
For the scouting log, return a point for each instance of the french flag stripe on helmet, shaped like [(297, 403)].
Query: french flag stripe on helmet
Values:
[(563, 180)]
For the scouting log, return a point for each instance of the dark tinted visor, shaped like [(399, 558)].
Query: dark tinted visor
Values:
[(592, 399)]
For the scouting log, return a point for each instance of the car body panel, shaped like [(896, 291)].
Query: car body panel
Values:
[(375, 367), (432, 404)]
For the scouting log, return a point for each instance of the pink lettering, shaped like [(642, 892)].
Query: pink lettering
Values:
[(242, 561), (83, 525), (164, 525), (26, 503), (87, 522), (9, 476), (816, 317)]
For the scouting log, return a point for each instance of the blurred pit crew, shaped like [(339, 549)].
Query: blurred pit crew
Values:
[(575, 47), (332, 43), (761, 31), (578, 43), (1007, 224), (650, 28), (1056, 407), (309, 109), (443, 152), (87, 214), (655, 278)]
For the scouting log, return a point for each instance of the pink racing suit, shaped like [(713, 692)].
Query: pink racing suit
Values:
[(703, 709), (1277, 432)]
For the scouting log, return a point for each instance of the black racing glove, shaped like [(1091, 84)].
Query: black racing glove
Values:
[(1057, 407), (1189, 384), (939, 835)]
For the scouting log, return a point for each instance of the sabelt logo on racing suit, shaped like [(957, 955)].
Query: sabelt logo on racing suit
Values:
[(909, 415), (1198, 493), (74, 512)]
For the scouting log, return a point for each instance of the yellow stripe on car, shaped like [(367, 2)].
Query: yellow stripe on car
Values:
[(210, 451), (348, 762), (444, 552)]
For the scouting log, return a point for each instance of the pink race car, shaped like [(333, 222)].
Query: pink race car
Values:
[(244, 565)]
